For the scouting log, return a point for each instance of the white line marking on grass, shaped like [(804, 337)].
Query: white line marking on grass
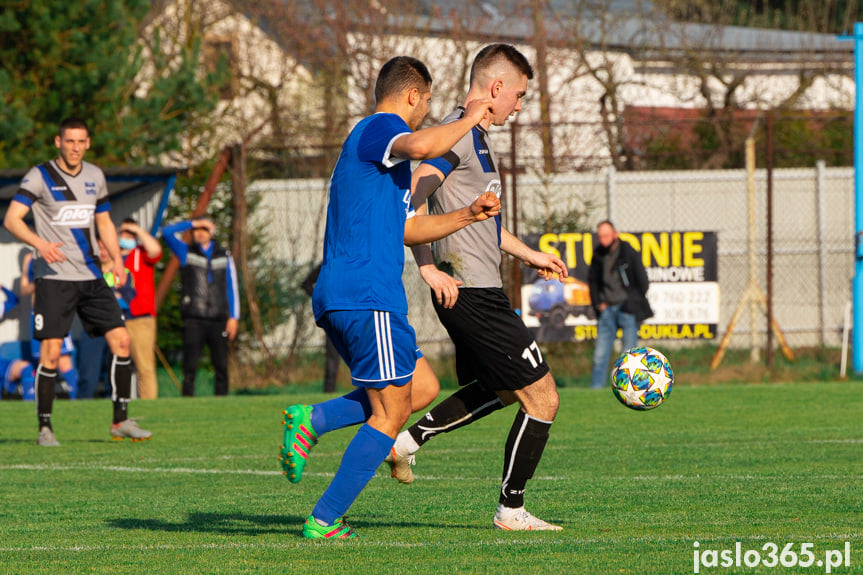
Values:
[(299, 543), (833, 441), (382, 475), (498, 542), (86, 467)]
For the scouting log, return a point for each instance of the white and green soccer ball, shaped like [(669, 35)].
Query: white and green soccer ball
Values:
[(641, 378)]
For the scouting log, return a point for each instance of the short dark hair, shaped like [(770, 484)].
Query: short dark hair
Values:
[(603, 222), (401, 74), (129, 220), (72, 124), (493, 53)]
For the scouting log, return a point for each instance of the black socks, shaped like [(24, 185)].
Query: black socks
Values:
[(121, 386), (46, 379), (468, 404), (524, 447)]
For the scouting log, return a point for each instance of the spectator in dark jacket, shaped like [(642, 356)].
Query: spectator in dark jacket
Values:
[(618, 287), (210, 305)]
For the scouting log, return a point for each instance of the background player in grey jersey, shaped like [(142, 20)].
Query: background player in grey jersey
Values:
[(69, 200), (497, 360)]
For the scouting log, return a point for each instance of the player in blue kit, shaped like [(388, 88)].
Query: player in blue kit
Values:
[(359, 298)]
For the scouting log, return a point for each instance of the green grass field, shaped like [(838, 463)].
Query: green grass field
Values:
[(755, 464)]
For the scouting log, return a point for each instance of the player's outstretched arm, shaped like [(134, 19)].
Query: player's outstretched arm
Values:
[(547, 264), (14, 222), (438, 140), (427, 228)]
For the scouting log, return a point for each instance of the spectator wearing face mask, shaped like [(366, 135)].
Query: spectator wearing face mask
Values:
[(141, 252)]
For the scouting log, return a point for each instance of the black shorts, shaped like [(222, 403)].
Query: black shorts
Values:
[(492, 344), (58, 301)]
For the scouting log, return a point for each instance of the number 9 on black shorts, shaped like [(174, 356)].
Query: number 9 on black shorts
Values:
[(57, 302)]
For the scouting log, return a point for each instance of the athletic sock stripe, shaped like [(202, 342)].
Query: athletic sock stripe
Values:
[(427, 431), (41, 372), (511, 463), (538, 419), (44, 371), (113, 378)]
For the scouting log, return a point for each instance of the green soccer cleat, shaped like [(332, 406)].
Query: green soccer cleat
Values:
[(299, 439), (338, 530)]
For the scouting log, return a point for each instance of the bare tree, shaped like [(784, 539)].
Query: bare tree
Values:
[(724, 69)]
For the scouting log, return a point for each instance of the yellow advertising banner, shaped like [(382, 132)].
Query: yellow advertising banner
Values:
[(684, 290)]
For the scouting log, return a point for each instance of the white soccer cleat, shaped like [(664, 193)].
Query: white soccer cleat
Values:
[(129, 429), (46, 438), (520, 519), (400, 467)]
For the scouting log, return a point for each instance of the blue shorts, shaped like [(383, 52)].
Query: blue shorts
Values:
[(379, 347)]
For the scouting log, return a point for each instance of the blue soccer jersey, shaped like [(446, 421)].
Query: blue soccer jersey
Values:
[(369, 202)]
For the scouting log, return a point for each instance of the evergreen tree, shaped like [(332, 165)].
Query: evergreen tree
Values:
[(84, 59)]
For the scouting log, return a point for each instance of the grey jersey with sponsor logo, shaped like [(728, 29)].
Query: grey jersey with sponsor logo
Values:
[(63, 209), (471, 254)]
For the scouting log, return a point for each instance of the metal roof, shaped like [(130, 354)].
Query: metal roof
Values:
[(631, 26)]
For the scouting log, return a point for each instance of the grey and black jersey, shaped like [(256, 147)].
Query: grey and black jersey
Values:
[(471, 254), (63, 209)]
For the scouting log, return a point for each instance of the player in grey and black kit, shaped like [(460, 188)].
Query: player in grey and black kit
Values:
[(69, 199), (497, 360)]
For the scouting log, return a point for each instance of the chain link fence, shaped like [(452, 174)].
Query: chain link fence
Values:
[(812, 219)]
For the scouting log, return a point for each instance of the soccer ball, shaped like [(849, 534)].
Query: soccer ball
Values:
[(641, 378)]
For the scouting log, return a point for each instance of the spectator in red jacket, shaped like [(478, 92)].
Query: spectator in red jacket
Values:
[(141, 251)]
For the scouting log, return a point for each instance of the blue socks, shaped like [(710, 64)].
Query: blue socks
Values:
[(344, 411), (362, 457), (28, 384), (71, 379)]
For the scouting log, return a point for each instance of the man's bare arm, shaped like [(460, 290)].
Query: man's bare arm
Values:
[(14, 222), (547, 264), (427, 228), (438, 140)]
